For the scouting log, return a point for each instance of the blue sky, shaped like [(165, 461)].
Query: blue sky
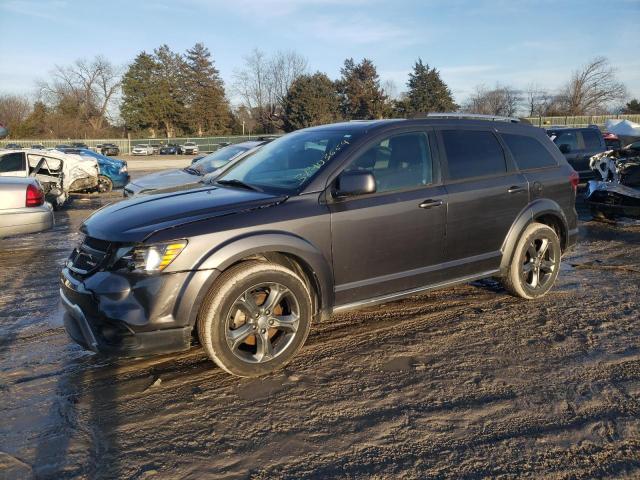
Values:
[(472, 42)]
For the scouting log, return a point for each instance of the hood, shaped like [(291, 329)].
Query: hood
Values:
[(136, 219), (165, 179)]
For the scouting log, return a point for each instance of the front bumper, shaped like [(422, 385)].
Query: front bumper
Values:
[(125, 316)]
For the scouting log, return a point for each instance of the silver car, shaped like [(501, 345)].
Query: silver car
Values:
[(22, 207)]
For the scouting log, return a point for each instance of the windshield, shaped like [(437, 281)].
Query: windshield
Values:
[(218, 159), (288, 163)]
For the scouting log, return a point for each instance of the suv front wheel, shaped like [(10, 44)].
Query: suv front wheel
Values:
[(535, 263), (255, 318)]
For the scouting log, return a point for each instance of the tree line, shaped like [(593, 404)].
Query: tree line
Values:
[(167, 94)]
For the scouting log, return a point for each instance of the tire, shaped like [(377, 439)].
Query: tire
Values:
[(105, 185), (242, 301), (532, 260)]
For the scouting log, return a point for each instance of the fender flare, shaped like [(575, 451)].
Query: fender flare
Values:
[(235, 249), (528, 215)]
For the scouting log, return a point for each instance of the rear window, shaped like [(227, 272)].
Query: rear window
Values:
[(472, 153), (591, 139), (528, 152), (12, 162)]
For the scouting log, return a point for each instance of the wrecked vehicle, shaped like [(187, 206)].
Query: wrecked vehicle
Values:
[(617, 193), (58, 173)]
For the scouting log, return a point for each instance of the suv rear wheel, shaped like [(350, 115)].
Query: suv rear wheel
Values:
[(255, 318), (535, 263)]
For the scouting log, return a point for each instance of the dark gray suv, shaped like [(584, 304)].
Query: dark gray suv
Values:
[(321, 220)]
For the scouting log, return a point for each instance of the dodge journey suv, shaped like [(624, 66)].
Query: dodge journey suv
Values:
[(321, 220)]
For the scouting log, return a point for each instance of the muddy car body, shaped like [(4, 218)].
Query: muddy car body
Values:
[(321, 220), (58, 173)]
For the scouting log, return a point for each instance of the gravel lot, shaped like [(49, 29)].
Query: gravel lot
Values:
[(460, 383)]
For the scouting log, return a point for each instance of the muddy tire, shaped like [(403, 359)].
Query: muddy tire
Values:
[(255, 318), (535, 263), (105, 185)]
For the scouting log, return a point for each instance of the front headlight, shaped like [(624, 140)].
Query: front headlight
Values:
[(123, 169), (153, 258)]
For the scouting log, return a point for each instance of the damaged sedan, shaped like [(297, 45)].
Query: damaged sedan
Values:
[(59, 174), (617, 193)]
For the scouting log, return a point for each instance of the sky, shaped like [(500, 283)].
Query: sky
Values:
[(517, 42)]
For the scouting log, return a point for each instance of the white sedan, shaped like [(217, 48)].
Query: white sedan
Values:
[(22, 207), (143, 149)]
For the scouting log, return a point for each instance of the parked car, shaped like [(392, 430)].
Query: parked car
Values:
[(170, 149), (189, 148), (58, 173), (113, 172), (321, 220), (203, 170), (109, 149), (37, 146), (13, 146), (142, 149), (578, 145), (156, 148), (62, 145), (79, 145), (22, 207)]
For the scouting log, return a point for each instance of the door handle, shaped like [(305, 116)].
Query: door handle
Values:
[(516, 189), (430, 203)]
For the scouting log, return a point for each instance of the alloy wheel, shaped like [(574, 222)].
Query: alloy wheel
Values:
[(539, 263), (262, 322)]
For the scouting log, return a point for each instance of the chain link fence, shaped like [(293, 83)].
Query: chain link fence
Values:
[(579, 121), (205, 144)]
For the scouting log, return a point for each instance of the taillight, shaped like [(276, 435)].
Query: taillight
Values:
[(574, 179), (35, 196)]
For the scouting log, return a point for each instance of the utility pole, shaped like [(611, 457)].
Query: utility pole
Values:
[(242, 127)]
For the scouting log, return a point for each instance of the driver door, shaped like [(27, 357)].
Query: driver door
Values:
[(392, 240)]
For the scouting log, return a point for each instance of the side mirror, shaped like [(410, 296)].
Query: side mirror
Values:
[(565, 148), (355, 183)]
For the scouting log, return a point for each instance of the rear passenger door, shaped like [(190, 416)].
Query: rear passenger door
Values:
[(485, 196), (546, 177)]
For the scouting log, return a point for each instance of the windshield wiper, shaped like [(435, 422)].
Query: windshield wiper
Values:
[(232, 182), (193, 171)]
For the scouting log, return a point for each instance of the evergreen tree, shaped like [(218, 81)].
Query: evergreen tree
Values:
[(139, 97), (311, 100), (207, 107), (427, 92), (632, 107), (361, 96)]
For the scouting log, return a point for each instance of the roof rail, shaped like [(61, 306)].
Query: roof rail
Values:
[(474, 116)]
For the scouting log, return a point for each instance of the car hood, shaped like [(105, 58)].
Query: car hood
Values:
[(135, 219), (165, 179)]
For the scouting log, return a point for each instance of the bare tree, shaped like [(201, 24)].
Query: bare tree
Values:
[(88, 87), (501, 100), (263, 84), (14, 110), (592, 88)]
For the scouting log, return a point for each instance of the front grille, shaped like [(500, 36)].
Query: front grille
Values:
[(89, 256)]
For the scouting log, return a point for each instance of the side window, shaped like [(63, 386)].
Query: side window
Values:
[(591, 138), (398, 162), (472, 153), (528, 152), (12, 162)]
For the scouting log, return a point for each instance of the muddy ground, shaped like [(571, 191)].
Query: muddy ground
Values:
[(461, 383)]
